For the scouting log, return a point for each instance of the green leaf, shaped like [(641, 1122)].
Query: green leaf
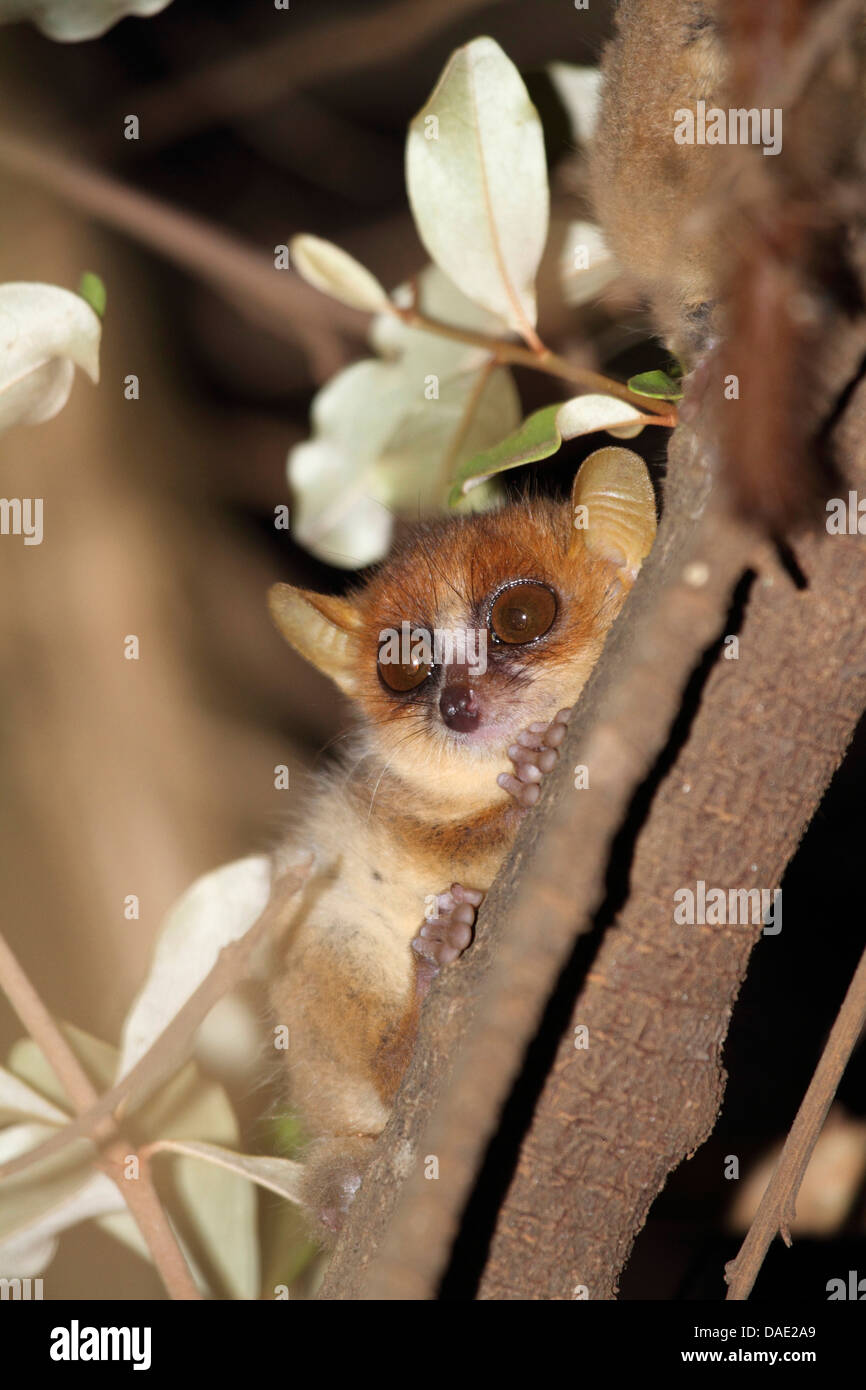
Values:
[(543, 432), (477, 181), (93, 292), (537, 438), (657, 384)]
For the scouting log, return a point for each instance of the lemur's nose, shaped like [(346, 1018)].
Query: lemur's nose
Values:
[(459, 707)]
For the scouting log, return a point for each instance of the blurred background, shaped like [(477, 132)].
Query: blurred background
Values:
[(124, 777)]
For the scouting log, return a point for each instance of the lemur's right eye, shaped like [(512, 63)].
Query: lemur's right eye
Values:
[(404, 675), (401, 664)]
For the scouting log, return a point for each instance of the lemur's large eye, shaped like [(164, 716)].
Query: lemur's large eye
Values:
[(401, 663), (403, 675), (522, 612)]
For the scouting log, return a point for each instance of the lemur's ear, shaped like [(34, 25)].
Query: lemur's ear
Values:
[(321, 629), (614, 509)]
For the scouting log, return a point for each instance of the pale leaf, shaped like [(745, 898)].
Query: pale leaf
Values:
[(20, 1101), (45, 332), (586, 414), (579, 90), (217, 909), (279, 1175), (586, 263), (333, 271), (71, 20), (478, 187)]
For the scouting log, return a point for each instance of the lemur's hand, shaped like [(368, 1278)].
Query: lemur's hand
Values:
[(535, 753)]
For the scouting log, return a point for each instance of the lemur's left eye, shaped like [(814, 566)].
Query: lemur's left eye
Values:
[(522, 612)]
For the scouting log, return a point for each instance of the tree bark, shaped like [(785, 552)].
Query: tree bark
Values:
[(771, 729), (700, 768), (495, 998), (615, 1119)]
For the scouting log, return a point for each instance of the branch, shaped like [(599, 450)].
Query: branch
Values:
[(489, 1006), (42, 1028), (139, 1195), (282, 303), (611, 1122), (541, 359), (777, 1207), (284, 306), (229, 968), (299, 57)]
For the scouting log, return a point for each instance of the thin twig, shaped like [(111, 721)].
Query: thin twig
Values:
[(143, 1201), (540, 361), (776, 1211), (452, 453), (293, 56), (286, 306), (140, 1196), (44, 1031), (247, 278), (228, 968)]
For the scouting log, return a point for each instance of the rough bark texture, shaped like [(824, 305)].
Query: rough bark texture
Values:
[(495, 998), (766, 734), (771, 729), (656, 1066)]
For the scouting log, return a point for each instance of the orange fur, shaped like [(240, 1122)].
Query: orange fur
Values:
[(419, 805)]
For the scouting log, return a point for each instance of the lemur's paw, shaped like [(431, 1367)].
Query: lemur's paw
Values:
[(448, 929), (534, 754)]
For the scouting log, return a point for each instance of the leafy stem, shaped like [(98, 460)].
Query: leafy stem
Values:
[(540, 359), (139, 1194)]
